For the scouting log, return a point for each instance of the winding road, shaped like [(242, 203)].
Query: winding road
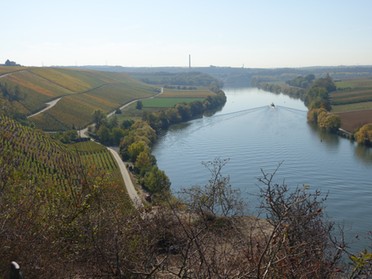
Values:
[(49, 106), (83, 133), (127, 180)]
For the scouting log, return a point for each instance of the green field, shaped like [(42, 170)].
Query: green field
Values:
[(167, 102), (198, 93)]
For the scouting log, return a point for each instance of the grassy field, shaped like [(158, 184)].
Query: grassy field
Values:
[(198, 93), (9, 69), (162, 102)]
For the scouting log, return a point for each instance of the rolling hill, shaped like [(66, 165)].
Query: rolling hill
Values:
[(81, 92)]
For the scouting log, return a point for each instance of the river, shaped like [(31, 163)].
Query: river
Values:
[(254, 136)]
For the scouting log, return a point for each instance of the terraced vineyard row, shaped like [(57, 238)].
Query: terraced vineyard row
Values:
[(38, 155), (39, 158)]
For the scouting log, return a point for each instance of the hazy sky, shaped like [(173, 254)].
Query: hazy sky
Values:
[(261, 33)]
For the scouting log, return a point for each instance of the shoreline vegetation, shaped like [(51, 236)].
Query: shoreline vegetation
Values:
[(81, 223), (321, 96)]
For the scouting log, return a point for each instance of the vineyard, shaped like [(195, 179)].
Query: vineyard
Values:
[(353, 103), (82, 93), (42, 159), (352, 92)]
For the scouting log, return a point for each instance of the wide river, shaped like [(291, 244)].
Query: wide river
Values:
[(254, 136)]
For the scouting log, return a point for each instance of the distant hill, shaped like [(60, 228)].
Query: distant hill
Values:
[(233, 76)]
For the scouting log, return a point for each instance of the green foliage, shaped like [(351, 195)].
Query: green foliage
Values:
[(139, 105), (136, 148), (181, 112), (179, 79), (98, 117), (362, 265), (139, 137), (167, 102), (156, 182), (318, 97), (302, 82)]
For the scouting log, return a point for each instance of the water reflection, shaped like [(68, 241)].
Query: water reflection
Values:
[(330, 139), (363, 153)]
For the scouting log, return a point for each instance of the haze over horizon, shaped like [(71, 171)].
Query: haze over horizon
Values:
[(253, 34)]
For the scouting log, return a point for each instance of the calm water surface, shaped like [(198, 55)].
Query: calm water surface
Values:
[(255, 136)]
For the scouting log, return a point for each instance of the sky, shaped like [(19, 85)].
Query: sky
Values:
[(149, 33)]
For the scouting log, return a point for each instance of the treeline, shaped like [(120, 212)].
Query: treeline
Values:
[(135, 138), (161, 120), (316, 95), (318, 101), (135, 147), (182, 79), (179, 87), (272, 85), (109, 132)]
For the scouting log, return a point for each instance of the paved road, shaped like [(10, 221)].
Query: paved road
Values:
[(83, 133), (127, 180), (49, 106)]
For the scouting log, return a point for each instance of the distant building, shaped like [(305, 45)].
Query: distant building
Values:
[(10, 63)]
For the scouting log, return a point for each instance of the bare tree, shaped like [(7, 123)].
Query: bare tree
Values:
[(302, 242)]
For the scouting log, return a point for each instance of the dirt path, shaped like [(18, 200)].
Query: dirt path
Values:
[(127, 180)]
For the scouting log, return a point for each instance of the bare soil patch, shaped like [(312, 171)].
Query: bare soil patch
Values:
[(353, 120)]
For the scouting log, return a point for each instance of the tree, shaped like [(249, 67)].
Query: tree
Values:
[(156, 181), (139, 105), (144, 162), (99, 117), (136, 148), (217, 197), (364, 134), (117, 134), (302, 241), (103, 134)]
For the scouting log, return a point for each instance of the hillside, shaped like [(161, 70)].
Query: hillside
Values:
[(51, 195), (37, 157), (82, 92)]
